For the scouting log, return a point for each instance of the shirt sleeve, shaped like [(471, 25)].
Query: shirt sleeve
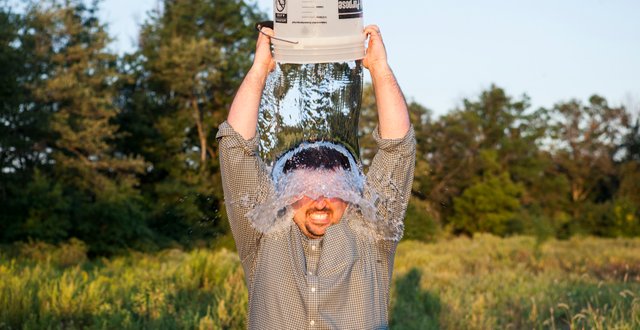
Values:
[(389, 182), (246, 183)]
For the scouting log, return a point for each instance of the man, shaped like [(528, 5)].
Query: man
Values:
[(324, 259)]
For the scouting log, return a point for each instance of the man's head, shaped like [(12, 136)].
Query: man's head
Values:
[(314, 215)]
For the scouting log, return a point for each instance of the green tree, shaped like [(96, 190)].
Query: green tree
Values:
[(489, 205), (79, 91), (585, 141), (631, 142), (23, 122), (495, 122), (629, 167), (626, 208), (192, 57), (45, 210), (13, 94), (12, 144)]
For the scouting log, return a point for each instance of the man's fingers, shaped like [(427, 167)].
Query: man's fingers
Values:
[(265, 35), (372, 27), (267, 31), (373, 30)]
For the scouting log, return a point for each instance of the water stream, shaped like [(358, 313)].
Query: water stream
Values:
[(310, 102), (306, 106)]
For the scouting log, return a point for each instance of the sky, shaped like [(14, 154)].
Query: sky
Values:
[(445, 51)]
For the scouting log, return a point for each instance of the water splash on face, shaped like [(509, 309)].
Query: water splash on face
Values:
[(346, 184), (314, 102)]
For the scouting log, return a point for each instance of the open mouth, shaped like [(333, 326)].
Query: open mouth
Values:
[(321, 217)]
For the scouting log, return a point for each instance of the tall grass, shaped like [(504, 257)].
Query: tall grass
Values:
[(517, 283), (484, 283), (172, 289)]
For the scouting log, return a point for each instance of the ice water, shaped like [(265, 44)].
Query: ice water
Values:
[(310, 102)]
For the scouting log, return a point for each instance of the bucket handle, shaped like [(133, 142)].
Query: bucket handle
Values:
[(269, 24)]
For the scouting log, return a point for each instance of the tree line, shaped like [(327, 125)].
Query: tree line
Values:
[(119, 150)]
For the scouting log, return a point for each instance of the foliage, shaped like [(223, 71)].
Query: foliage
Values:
[(480, 283), (585, 139), (119, 151), (180, 83), (106, 154), (418, 225), (490, 205), (74, 90), (22, 123), (45, 209), (173, 289)]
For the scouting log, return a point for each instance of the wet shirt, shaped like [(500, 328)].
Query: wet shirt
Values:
[(340, 281)]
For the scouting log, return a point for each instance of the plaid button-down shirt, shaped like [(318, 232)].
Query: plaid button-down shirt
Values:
[(338, 282)]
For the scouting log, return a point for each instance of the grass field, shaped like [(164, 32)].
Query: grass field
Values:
[(484, 283)]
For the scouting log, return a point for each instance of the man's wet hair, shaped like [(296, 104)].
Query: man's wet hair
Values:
[(317, 158)]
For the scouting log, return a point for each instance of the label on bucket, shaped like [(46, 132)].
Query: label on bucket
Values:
[(315, 11), (348, 9), (308, 12), (280, 7), (320, 31)]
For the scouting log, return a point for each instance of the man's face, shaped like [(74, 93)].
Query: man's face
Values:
[(313, 217)]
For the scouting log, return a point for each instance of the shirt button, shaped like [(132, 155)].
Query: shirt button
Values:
[(313, 289), (312, 322), (313, 247)]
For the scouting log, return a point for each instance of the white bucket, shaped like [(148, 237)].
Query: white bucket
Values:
[(319, 31)]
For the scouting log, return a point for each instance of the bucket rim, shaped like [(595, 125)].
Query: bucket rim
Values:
[(323, 42)]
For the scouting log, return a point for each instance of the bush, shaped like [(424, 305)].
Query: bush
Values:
[(489, 206), (418, 224), (71, 253)]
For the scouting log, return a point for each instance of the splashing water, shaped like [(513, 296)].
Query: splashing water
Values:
[(303, 103), (310, 102), (276, 212), (312, 106)]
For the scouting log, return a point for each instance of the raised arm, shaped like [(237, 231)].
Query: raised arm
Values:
[(390, 175), (245, 179), (243, 115), (393, 116)]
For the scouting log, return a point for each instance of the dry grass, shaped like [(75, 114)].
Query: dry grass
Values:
[(515, 283), (484, 283)]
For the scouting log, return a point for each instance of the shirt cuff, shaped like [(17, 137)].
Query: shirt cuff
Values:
[(228, 137), (404, 145)]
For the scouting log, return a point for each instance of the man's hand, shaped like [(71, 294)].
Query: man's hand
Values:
[(263, 60), (376, 57), (393, 116)]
